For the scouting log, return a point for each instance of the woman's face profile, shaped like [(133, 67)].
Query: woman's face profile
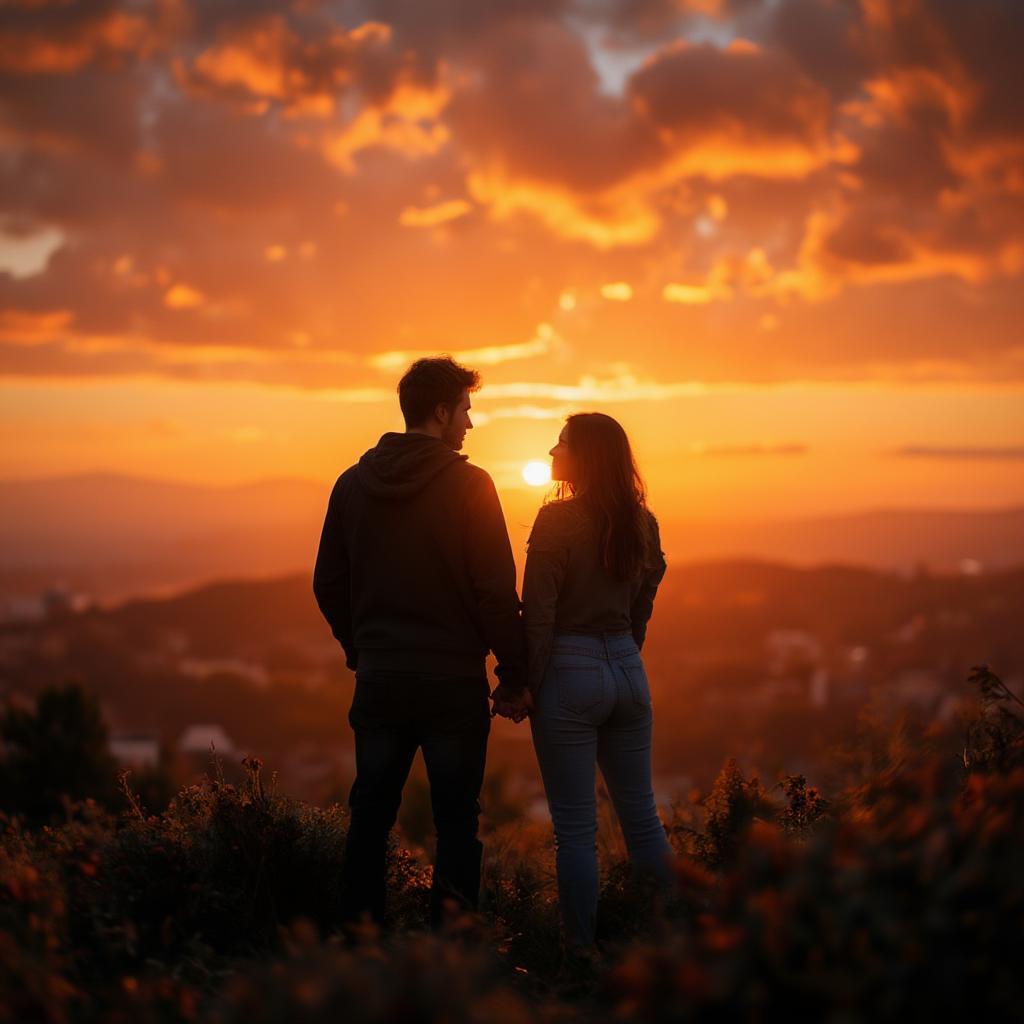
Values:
[(561, 462)]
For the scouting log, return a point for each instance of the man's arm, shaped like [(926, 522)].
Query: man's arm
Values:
[(492, 572), (331, 578)]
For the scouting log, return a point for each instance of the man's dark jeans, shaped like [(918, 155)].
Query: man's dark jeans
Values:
[(392, 714)]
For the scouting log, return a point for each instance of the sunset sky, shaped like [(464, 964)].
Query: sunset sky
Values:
[(781, 241)]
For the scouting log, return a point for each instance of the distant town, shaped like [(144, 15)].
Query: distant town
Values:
[(780, 664)]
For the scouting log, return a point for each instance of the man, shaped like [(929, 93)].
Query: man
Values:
[(416, 578)]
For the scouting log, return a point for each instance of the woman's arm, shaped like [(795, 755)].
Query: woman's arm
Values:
[(547, 558), (643, 603)]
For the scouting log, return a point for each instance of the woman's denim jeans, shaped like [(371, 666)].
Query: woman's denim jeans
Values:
[(594, 707)]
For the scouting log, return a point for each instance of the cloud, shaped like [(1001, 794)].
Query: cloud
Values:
[(431, 216), (183, 296), (617, 291), (265, 59), (742, 109), (616, 218), (968, 454), (47, 39), (544, 141), (544, 342), (26, 327), (624, 387), (746, 450), (856, 163), (520, 412)]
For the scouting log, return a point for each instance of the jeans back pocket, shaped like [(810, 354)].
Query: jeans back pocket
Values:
[(638, 684), (579, 687)]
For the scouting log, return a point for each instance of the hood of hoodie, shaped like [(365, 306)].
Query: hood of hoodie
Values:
[(403, 464)]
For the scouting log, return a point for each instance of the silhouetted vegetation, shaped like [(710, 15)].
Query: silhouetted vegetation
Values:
[(900, 896), (55, 752)]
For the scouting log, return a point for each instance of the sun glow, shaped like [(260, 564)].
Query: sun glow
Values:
[(537, 473)]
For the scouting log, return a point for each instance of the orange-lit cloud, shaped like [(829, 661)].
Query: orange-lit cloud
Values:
[(23, 327), (183, 296), (431, 216), (617, 291), (823, 190), (544, 342), (971, 454), (52, 45)]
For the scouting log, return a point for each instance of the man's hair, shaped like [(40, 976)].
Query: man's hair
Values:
[(429, 383)]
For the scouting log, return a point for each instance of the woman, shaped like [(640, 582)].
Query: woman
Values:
[(593, 565)]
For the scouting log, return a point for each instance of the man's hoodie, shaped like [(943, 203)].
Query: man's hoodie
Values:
[(415, 570)]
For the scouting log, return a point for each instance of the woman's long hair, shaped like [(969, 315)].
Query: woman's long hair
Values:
[(607, 481)]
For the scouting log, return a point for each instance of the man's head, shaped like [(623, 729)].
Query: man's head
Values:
[(434, 396)]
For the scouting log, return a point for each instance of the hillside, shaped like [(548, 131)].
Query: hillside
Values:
[(113, 536), (780, 657)]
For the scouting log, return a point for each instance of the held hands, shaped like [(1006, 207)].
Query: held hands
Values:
[(516, 705)]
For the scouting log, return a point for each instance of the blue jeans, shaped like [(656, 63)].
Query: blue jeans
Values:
[(594, 707)]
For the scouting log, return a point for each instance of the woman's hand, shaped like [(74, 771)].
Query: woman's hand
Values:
[(515, 705)]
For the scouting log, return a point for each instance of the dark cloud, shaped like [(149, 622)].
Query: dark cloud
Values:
[(63, 37), (94, 110), (207, 155), (631, 21), (825, 38), (450, 27), (746, 93), (534, 110)]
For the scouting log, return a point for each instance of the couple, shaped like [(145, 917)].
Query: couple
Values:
[(416, 578)]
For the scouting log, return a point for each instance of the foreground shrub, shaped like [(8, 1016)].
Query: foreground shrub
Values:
[(421, 978), (224, 865), (908, 905), (54, 753), (900, 898)]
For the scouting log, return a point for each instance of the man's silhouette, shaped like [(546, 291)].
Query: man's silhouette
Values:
[(415, 576)]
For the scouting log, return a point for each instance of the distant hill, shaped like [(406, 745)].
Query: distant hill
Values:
[(113, 535), (942, 539)]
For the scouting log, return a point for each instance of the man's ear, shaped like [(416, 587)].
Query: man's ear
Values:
[(442, 413)]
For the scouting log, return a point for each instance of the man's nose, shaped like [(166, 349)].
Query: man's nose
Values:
[(469, 423)]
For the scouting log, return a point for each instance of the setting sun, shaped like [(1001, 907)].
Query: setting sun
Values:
[(537, 473)]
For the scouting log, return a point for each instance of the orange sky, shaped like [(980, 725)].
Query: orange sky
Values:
[(783, 242)]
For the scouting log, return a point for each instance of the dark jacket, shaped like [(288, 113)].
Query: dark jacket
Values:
[(415, 569), (567, 590)]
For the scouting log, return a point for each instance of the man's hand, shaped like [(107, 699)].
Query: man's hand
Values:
[(516, 705)]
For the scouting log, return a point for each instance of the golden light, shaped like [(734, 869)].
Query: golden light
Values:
[(537, 473)]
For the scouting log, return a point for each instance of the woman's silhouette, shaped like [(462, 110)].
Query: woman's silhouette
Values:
[(593, 565)]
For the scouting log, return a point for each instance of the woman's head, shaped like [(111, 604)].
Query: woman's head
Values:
[(594, 461)]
